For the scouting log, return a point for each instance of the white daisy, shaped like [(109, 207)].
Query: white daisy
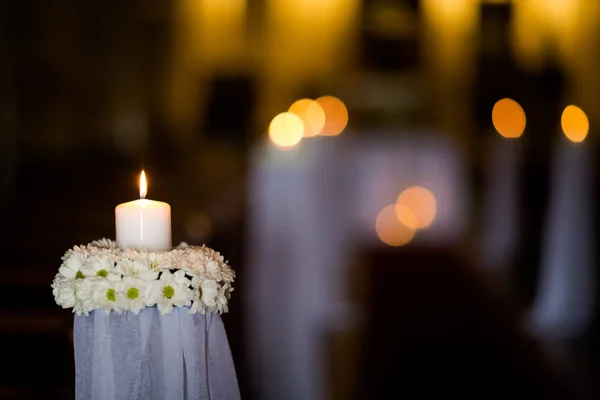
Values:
[(137, 267), (192, 262), (205, 294), (105, 293), (99, 266), (209, 290), (160, 261), (213, 270), (104, 243), (84, 303), (170, 290), (64, 291), (223, 297), (71, 267), (197, 305), (133, 294)]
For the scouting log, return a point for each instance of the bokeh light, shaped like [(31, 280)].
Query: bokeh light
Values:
[(286, 130), (575, 124), (416, 207), (508, 118), (336, 115), (312, 115), (390, 230)]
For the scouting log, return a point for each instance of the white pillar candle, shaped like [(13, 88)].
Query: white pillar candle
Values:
[(143, 224)]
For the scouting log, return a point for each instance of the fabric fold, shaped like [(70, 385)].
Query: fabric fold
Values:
[(153, 357)]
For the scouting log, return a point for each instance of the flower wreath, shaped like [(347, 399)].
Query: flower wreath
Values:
[(101, 276)]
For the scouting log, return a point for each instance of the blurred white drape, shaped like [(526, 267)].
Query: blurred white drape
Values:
[(565, 302), (311, 210)]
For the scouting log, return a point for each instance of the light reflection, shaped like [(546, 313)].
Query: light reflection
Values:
[(286, 130), (416, 207), (390, 230), (508, 118), (575, 124), (312, 115), (336, 115)]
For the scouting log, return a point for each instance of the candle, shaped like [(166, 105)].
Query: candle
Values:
[(143, 224)]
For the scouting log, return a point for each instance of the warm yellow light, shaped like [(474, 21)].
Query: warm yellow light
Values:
[(390, 230), (312, 115), (143, 185), (416, 207), (336, 115), (575, 124), (508, 118), (286, 130)]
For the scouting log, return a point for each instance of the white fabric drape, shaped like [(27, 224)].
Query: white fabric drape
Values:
[(311, 210), (564, 305), (153, 357)]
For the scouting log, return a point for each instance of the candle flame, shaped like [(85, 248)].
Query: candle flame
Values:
[(143, 185)]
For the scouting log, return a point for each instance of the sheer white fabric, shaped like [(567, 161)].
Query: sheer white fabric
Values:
[(565, 305), (312, 208), (149, 356)]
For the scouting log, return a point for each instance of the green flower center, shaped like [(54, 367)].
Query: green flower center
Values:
[(111, 295), (133, 293), (168, 291), (79, 275), (103, 273)]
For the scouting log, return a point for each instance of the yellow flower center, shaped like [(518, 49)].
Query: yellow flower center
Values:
[(168, 291), (133, 293), (111, 295)]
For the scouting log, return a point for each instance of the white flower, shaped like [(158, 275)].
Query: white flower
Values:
[(105, 293), (170, 290), (84, 296), (159, 261), (197, 305), (71, 267), (205, 294), (137, 267), (104, 244), (227, 274), (99, 266), (101, 276), (223, 297), (133, 294), (209, 290), (64, 291), (192, 262), (212, 269)]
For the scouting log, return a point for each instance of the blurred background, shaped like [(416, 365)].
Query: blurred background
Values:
[(423, 218)]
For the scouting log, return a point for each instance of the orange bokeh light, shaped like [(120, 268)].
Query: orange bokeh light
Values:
[(336, 115), (575, 124), (286, 130), (312, 115), (416, 207), (508, 118), (390, 230)]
